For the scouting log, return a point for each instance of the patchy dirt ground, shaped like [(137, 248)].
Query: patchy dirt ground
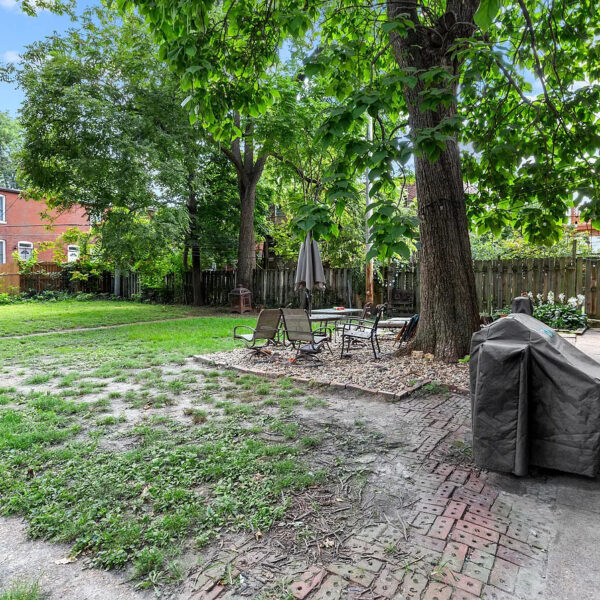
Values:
[(22, 559), (401, 513)]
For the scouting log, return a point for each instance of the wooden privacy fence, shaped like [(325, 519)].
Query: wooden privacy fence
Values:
[(499, 281), (51, 277), (276, 287), (9, 279)]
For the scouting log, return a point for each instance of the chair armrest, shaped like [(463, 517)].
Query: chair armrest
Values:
[(242, 327), (361, 322), (355, 324), (326, 329)]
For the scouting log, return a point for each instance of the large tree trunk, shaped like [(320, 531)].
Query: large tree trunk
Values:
[(449, 313), (246, 243), (194, 244)]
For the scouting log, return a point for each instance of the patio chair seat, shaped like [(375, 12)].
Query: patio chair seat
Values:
[(246, 336), (358, 333)]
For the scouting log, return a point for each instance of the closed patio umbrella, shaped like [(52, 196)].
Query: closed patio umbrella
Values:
[(309, 274)]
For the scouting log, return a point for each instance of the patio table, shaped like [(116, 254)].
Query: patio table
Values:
[(334, 311), (320, 318), (324, 318)]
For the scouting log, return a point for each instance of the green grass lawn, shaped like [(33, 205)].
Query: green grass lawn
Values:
[(131, 346), (37, 317), (174, 484), (90, 459)]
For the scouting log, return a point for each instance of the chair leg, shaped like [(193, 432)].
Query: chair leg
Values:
[(377, 341), (344, 341), (328, 344), (373, 346)]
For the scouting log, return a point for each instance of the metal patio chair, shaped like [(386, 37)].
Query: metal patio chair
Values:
[(368, 312), (266, 331), (362, 331), (307, 341)]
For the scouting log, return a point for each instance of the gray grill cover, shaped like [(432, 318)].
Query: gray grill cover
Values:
[(522, 304), (535, 399)]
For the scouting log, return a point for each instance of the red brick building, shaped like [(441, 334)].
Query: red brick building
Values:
[(586, 228), (22, 228)]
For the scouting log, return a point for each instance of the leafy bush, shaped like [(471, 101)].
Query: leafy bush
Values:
[(560, 316), (45, 296), (560, 312)]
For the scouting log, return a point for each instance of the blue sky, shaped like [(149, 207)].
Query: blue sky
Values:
[(17, 30)]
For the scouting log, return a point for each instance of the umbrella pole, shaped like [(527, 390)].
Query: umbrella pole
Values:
[(309, 301)]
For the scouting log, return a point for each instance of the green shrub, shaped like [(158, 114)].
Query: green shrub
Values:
[(560, 316)]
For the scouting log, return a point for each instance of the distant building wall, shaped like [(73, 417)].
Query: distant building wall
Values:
[(22, 227), (585, 227)]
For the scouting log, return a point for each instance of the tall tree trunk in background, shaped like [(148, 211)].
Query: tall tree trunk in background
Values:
[(194, 244), (246, 243), (449, 312), (249, 172)]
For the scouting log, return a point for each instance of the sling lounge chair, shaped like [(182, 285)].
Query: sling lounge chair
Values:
[(408, 331), (300, 334), (264, 334)]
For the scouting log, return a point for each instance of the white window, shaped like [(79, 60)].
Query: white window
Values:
[(72, 253), (25, 250), (2, 252), (2, 209), (595, 243)]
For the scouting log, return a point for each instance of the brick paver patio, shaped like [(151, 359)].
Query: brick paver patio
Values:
[(437, 528)]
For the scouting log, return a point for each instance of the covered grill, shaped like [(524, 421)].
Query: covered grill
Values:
[(535, 399)]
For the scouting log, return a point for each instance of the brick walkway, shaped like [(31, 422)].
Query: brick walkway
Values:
[(437, 530)]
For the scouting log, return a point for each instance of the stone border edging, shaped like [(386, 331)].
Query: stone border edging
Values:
[(333, 384)]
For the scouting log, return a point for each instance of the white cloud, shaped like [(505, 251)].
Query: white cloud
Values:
[(8, 4), (11, 56)]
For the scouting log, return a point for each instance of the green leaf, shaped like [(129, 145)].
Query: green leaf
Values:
[(486, 13), (390, 26), (312, 69)]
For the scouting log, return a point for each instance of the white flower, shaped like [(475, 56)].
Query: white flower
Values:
[(540, 298), (580, 299), (530, 294), (550, 297), (572, 302), (562, 297)]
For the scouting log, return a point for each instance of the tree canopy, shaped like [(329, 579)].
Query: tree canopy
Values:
[(431, 74), (526, 100), (105, 129), (10, 142)]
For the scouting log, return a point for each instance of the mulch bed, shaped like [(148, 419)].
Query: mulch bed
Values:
[(390, 373)]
